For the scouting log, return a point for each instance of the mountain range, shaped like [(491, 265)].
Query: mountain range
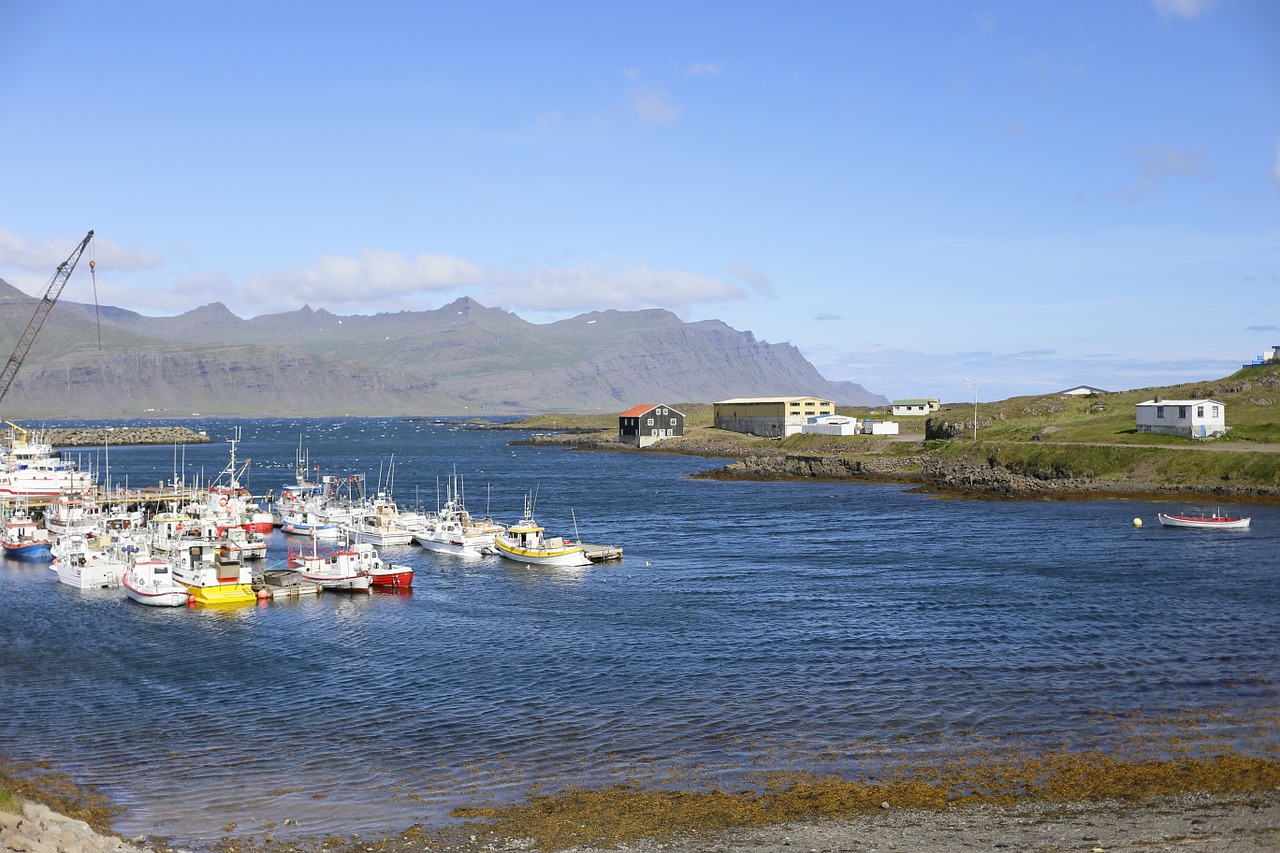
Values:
[(460, 359)]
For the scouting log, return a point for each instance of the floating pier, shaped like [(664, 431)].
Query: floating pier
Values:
[(602, 553)]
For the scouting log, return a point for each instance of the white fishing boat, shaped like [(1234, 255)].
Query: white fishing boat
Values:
[(244, 544), (92, 561), (453, 530), (527, 542), (35, 469), (302, 520), (307, 508), (1205, 521), (150, 581), (71, 512), (378, 522), (331, 568)]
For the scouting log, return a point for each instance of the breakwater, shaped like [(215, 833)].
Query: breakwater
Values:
[(116, 436)]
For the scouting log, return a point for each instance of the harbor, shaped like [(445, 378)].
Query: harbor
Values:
[(839, 629)]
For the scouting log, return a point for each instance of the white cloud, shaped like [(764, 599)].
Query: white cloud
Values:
[(1156, 163), (655, 108), (588, 288), (1186, 9), (754, 278), (21, 253), (372, 277), (699, 69)]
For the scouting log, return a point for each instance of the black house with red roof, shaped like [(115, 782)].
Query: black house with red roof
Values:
[(643, 425)]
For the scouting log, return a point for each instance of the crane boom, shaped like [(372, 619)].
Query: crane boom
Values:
[(47, 301)]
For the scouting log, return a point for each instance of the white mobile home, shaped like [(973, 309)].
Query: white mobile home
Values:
[(1189, 418), (831, 425)]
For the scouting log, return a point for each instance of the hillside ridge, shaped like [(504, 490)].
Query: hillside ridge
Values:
[(463, 358)]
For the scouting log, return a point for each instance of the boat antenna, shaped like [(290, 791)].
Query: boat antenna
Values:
[(577, 537)]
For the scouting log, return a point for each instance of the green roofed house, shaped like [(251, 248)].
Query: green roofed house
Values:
[(771, 417), (915, 406)]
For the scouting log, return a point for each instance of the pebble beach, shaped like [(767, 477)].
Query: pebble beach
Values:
[(1233, 824)]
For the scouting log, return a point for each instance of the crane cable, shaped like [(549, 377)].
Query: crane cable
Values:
[(93, 274)]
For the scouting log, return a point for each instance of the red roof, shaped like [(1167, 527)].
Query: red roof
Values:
[(638, 411)]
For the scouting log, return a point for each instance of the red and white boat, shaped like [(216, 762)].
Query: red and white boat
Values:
[(331, 568), (383, 574), (1217, 521)]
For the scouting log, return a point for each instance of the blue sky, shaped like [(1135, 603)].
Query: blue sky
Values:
[(1025, 195)]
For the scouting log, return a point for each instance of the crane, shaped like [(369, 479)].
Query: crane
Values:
[(47, 301)]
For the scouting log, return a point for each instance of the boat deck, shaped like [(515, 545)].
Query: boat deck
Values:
[(602, 553)]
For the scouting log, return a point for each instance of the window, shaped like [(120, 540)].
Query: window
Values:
[(1214, 409), (1182, 412), (650, 422), (673, 421), (1159, 411), (1199, 411)]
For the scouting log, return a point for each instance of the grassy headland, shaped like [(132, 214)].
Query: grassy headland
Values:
[(1052, 445)]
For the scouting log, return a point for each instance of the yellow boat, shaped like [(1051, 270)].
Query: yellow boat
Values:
[(527, 542), (212, 575)]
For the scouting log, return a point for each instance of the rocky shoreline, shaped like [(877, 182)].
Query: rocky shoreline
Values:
[(954, 476), (40, 829)]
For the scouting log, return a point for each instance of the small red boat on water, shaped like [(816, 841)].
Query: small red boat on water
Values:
[(1217, 521)]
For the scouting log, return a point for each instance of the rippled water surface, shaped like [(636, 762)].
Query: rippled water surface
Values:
[(750, 626)]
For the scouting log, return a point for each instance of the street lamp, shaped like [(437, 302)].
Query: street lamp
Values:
[(968, 383)]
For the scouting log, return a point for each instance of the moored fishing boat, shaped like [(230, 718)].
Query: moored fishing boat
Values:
[(382, 575), (150, 581), (453, 530), (378, 522), (1205, 521), (25, 539), (331, 568), (527, 542), (211, 575), (35, 469), (89, 561)]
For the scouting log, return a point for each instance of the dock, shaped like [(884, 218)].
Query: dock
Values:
[(283, 583), (602, 553)]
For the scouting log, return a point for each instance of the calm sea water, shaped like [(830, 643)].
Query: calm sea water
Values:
[(750, 627)]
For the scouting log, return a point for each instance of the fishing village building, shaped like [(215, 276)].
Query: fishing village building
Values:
[(644, 425), (1189, 418), (845, 425), (770, 417), (916, 406)]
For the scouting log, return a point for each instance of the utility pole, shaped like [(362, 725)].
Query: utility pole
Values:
[(971, 384)]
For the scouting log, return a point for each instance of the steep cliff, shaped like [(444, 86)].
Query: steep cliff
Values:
[(462, 358)]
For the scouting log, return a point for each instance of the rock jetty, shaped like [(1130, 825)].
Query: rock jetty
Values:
[(99, 436), (39, 829)]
